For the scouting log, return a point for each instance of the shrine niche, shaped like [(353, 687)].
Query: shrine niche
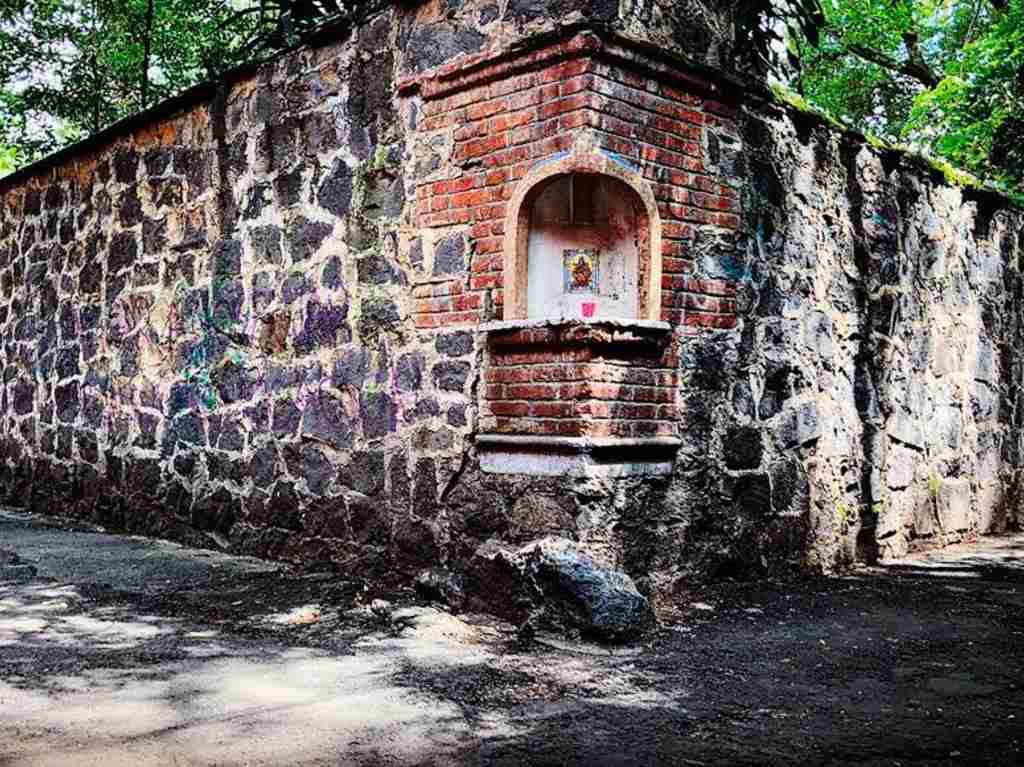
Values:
[(583, 241), (583, 247), (581, 373)]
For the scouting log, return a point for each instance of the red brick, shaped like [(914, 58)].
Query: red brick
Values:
[(485, 109), (676, 265), (467, 182), (677, 230), (564, 70), (575, 85), (551, 409), (480, 147), (496, 176), (593, 408), (484, 281), (467, 302), (524, 100), (711, 287), (470, 199), (561, 106), (484, 263), (487, 212), (510, 408), (471, 130), (489, 245), (722, 321)]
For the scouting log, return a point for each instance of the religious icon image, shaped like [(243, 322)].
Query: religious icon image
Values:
[(580, 270)]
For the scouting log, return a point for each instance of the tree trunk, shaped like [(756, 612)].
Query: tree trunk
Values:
[(147, 41)]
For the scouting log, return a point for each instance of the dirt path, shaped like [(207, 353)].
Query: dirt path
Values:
[(122, 651)]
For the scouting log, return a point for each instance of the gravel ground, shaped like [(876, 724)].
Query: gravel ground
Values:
[(118, 650)]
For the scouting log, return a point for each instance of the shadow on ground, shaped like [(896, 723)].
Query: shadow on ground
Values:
[(129, 651)]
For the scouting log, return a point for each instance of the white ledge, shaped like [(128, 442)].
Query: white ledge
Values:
[(618, 322), (576, 444), (576, 456)]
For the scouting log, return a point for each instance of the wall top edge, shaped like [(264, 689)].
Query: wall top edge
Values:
[(568, 42), (201, 93)]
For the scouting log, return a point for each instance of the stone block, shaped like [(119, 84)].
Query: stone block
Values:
[(901, 464), (954, 505), (534, 516), (906, 428), (799, 425), (742, 448)]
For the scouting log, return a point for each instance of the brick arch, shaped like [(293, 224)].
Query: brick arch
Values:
[(517, 229)]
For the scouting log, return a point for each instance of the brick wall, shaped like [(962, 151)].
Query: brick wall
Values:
[(505, 114), (575, 380)]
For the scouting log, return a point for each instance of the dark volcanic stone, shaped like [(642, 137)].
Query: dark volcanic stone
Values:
[(266, 244), (457, 415), (287, 187), (305, 237), (295, 286), (375, 269), (584, 595), (415, 543), (752, 496), (433, 44), (126, 164), (24, 396), (351, 368), (123, 251), (263, 466), (335, 193), (450, 255), (286, 418), (409, 372), (332, 274), (742, 448), (440, 585), (451, 376), (234, 383), (227, 303), (379, 314), (282, 509), (455, 344), (424, 499), (324, 418), (365, 472), (378, 413), (130, 208), (227, 258), (530, 10), (325, 325)]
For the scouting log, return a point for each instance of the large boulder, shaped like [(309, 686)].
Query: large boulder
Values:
[(13, 568), (551, 584)]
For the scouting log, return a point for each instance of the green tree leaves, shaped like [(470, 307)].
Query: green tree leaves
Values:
[(942, 75)]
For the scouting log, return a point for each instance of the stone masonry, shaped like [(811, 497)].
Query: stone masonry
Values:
[(271, 315)]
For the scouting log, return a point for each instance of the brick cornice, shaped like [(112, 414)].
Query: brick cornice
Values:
[(572, 43)]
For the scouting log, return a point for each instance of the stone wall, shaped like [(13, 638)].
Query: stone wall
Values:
[(252, 320), (885, 324)]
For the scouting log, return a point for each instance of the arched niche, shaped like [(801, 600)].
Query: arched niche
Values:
[(578, 217)]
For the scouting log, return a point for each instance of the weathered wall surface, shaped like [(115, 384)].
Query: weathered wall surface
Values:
[(887, 305), (253, 322)]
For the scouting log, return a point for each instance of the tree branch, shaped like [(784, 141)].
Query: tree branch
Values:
[(913, 68)]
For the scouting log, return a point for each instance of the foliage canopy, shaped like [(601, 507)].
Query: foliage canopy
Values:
[(945, 76)]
